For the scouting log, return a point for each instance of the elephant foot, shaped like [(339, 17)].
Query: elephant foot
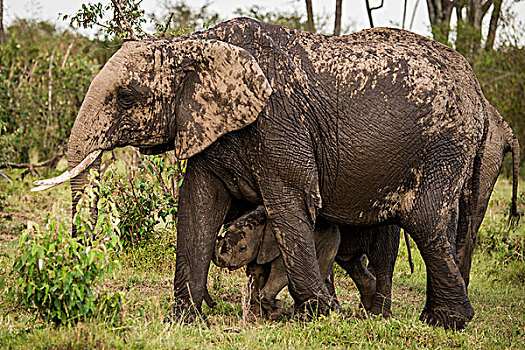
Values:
[(255, 313), (187, 314), (381, 307), (447, 318), (315, 308), (277, 311), (367, 300), (379, 311)]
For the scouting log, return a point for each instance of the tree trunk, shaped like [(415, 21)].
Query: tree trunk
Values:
[(2, 32), (469, 34), (338, 11), (494, 18), (404, 14), (310, 26), (439, 13), (369, 12)]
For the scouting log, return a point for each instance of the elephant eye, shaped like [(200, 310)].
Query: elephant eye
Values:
[(242, 249), (126, 98)]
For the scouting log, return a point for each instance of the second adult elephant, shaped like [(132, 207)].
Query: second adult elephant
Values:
[(378, 127), (499, 140)]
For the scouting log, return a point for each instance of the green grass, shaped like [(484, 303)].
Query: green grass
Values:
[(496, 291)]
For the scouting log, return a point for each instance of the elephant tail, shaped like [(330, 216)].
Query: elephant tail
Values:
[(513, 144), (410, 262), (208, 299)]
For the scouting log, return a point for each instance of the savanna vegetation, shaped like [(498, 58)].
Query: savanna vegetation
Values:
[(112, 286)]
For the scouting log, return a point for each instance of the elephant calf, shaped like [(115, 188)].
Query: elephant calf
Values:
[(248, 241)]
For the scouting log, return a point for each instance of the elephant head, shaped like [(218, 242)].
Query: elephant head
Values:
[(158, 95), (247, 239)]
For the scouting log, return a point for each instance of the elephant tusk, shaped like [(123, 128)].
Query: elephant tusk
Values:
[(43, 187), (67, 175)]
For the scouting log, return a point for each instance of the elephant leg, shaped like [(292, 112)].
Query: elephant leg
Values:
[(329, 281), (203, 205), (382, 256), (293, 225), (276, 281), (327, 241), (447, 302), (466, 237), (258, 275), (363, 279)]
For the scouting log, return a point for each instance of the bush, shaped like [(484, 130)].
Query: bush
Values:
[(145, 199), (44, 75), (57, 275), (501, 74)]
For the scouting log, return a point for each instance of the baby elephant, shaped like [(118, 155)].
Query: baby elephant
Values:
[(249, 241)]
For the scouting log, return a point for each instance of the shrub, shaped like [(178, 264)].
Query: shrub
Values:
[(145, 199), (57, 275)]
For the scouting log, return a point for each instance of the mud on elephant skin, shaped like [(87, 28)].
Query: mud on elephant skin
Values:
[(249, 241), (380, 126), (500, 139)]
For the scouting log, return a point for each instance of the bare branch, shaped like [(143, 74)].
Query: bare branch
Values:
[(32, 71), (413, 15), (126, 23), (486, 6), (49, 94), (167, 25), (44, 163), (369, 12), (158, 174), (68, 51), (377, 7)]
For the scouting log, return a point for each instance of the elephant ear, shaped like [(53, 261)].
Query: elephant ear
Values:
[(224, 91), (269, 249)]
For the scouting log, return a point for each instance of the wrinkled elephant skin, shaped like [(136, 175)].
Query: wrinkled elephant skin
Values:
[(380, 126)]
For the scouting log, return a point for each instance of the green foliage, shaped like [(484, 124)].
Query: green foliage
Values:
[(145, 199), (129, 12), (57, 275), (501, 74), (497, 238), (292, 19), (44, 75), (183, 19)]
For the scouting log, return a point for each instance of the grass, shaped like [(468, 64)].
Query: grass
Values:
[(496, 292)]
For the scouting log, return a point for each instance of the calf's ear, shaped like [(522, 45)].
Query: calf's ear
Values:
[(269, 249)]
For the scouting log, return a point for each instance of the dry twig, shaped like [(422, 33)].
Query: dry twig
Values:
[(30, 166)]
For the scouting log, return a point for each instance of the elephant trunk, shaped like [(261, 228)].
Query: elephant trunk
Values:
[(77, 185), (81, 146), (515, 149)]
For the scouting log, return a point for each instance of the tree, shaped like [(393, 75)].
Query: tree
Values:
[(369, 10), (469, 15), (2, 32), (338, 12), (439, 13), (310, 16)]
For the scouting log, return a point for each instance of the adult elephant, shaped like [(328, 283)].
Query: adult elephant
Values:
[(381, 126), (500, 139)]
